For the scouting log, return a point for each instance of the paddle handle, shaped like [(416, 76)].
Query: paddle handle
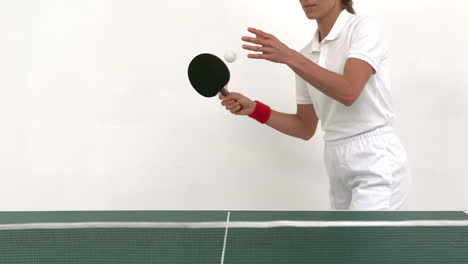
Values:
[(224, 92)]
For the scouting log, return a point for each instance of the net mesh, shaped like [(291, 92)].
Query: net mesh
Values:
[(243, 245)]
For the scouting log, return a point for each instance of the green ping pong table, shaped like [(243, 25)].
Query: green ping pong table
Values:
[(233, 237)]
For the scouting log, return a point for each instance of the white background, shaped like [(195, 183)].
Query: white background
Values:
[(96, 111)]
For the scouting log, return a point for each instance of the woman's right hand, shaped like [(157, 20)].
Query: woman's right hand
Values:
[(238, 104)]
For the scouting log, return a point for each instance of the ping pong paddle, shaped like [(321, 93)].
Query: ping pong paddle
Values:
[(209, 75)]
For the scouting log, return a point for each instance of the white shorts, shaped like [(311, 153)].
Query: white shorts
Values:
[(368, 172)]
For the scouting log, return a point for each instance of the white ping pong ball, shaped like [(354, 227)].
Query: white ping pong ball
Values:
[(230, 56)]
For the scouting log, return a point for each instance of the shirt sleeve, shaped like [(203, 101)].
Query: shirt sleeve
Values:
[(302, 95), (367, 43)]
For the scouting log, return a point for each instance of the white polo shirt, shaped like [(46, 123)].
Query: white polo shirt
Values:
[(352, 36)]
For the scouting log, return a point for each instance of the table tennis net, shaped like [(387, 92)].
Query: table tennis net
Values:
[(236, 242)]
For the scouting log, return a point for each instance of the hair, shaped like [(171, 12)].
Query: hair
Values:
[(348, 5)]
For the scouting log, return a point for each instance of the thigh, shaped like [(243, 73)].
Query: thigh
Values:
[(379, 177), (369, 175), (339, 192), (400, 172)]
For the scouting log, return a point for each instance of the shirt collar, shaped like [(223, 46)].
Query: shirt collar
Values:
[(337, 28)]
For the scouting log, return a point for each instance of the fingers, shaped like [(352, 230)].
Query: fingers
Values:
[(233, 106), (231, 103), (268, 48), (231, 96), (236, 109), (228, 102), (257, 48), (258, 41), (222, 97), (259, 32), (259, 56), (226, 98)]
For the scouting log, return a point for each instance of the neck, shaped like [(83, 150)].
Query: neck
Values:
[(325, 23)]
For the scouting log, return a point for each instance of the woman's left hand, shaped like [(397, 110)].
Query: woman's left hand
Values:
[(270, 47)]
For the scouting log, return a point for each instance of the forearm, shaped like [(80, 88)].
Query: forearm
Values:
[(330, 83), (289, 124)]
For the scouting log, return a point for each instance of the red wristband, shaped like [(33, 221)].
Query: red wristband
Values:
[(261, 112)]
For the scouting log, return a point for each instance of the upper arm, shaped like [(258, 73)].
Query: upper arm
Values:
[(306, 112), (366, 53), (357, 72)]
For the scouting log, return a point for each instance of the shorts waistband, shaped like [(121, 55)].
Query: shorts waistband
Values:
[(387, 129)]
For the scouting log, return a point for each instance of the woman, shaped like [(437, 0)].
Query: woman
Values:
[(343, 80)]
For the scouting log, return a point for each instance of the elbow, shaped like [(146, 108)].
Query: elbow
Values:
[(308, 136), (349, 100), (351, 96)]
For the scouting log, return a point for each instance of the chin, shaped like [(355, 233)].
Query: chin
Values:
[(311, 15)]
